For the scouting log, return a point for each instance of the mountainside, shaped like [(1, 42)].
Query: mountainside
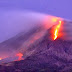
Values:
[(40, 53)]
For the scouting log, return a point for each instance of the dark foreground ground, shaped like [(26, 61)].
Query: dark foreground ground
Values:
[(44, 55)]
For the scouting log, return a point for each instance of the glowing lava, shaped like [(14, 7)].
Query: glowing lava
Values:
[(20, 56), (56, 30)]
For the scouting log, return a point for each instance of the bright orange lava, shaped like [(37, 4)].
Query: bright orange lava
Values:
[(56, 30)]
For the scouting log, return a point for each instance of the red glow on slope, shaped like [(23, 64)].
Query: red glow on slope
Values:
[(49, 21), (20, 56), (54, 19)]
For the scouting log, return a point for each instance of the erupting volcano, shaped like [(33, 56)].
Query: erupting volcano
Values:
[(40, 53)]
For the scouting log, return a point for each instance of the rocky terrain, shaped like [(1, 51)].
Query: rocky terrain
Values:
[(40, 53)]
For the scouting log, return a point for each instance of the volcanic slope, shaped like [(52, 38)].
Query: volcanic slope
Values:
[(42, 54)]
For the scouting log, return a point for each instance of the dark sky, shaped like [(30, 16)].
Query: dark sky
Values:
[(61, 8)]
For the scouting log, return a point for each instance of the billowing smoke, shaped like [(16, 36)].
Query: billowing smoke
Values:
[(14, 22)]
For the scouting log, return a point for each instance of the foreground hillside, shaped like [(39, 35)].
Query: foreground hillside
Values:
[(40, 53)]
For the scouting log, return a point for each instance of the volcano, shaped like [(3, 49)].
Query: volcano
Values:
[(40, 53)]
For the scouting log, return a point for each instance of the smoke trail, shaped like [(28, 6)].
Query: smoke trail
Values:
[(13, 22)]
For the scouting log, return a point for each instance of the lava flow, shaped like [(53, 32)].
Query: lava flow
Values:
[(56, 30)]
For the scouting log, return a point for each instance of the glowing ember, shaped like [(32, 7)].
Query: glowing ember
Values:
[(56, 30), (20, 56)]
